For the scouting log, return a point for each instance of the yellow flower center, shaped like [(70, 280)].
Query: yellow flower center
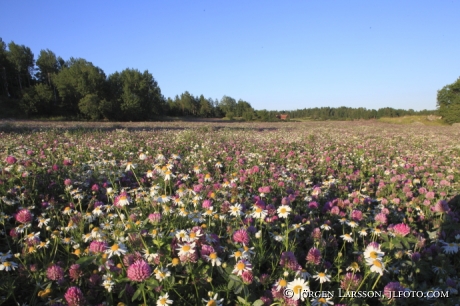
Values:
[(175, 261), (237, 254), (377, 263), (186, 248), (297, 289), (321, 274), (373, 255), (7, 264), (283, 283), (163, 301), (211, 303), (321, 301), (240, 266), (213, 255), (283, 210), (258, 210), (115, 247)]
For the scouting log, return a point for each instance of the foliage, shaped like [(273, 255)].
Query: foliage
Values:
[(448, 102)]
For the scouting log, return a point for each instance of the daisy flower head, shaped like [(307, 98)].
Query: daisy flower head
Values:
[(214, 259), (298, 287), (284, 211), (186, 248), (116, 249), (236, 210), (322, 277), (161, 274), (242, 266), (258, 212), (376, 265), (8, 265), (450, 248), (164, 300), (280, 284), (122, 200), (213, 301), (347, 237), (373, 252), (322, 301), (354, 267), (325, 227)]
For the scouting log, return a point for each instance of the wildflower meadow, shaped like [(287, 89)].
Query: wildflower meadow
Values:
[(313, 213)]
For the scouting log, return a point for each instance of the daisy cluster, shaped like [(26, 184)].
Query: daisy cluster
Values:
[(193, 215)]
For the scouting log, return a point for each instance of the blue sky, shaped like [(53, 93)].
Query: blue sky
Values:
[(277, 55)]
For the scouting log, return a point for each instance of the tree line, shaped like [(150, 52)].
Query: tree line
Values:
[(76, 88)]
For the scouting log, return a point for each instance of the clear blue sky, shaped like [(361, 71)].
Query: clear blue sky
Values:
[(277, 55)]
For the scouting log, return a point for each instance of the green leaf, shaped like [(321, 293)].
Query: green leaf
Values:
[(231, 283), (258, 303), (136, 294), (85, 261), (241, 300)]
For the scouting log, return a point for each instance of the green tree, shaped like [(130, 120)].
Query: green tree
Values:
[(228, 106), (23, 62), (448, 102), (205, 107), (36, 100), (137, 95), (78, 79)]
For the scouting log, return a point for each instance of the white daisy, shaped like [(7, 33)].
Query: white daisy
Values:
[(283, 211), (298, 286)]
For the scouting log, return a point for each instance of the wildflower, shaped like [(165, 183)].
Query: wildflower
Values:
[(241, 236), (122, 200), (55, 273), (363, 232), (280, 284), (130, 166), (236, 210), (450, 248), (213, 301), (391, 288), (108, 284), (376, 265), (259, 213), (24, 216), (8, 265), (116, 249), (298, 286), (164, 300), (354, 267), (139, 271), (350, 281), (322, 301), (185, 249), (283, 211), (347, 237), (241, 266), (373, 252), (352, 224), (161, 274), (74, 297), (325, 227), (298, 227), (401, 229), (322, 277), (214, 259)]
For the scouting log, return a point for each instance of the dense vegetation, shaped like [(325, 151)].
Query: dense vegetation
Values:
[(51, 86)]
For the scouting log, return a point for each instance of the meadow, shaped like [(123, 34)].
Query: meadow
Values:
[(203, 213)]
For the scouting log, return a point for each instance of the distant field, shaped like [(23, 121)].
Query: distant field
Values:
[(228, 213)]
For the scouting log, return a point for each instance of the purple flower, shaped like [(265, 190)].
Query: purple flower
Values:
[(314, 256), (401, 229), (24, 216), (55, 273), (11, 160), (241, 236), (74, 297), (139, 271), (391, 288)]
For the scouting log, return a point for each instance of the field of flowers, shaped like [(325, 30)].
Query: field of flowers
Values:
[(226, 214)]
